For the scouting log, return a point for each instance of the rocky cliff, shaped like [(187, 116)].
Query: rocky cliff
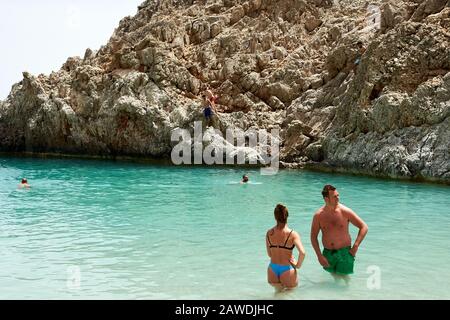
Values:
[(287, 64)]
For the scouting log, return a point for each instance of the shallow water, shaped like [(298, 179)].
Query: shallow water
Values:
[(90, 229)]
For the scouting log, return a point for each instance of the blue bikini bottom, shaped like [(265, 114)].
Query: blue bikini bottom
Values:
[(278, 269)]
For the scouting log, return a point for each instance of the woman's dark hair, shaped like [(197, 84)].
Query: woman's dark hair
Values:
[(326, 190), (281, 213), (24, 180)]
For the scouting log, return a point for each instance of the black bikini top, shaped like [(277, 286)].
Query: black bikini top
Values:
[(283, 246)]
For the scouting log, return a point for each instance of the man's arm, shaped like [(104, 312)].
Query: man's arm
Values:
[(315, 228), (213, 105), (360, 224)]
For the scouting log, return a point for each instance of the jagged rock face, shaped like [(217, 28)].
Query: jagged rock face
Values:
[(275, 64), (394, 117)]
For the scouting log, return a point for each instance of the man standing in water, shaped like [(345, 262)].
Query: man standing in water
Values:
[(332, 219)]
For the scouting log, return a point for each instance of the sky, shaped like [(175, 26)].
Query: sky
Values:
[(39, 35)]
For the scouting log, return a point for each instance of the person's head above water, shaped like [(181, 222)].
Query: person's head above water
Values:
[(281, 214), (244, 178), (24, 180), (330, 195)]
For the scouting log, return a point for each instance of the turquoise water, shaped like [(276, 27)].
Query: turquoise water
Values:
[(105, 230)]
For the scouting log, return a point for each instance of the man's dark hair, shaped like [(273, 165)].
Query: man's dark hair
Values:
[(326, 190), (359, 44)]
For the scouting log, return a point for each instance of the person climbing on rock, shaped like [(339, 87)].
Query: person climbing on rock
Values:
[(214, 97), (209, 108), (361, 50)]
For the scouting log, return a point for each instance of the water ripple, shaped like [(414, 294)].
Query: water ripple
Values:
[(151, 232)]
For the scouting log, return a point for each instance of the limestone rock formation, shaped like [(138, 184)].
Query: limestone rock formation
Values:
[(276, 64)]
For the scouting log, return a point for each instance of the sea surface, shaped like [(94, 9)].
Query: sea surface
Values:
[(92, 229)]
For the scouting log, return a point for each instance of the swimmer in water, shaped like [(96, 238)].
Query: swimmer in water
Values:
[(24, 184), (244, 179)]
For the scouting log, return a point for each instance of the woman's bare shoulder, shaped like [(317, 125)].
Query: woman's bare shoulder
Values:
[(295, 234)]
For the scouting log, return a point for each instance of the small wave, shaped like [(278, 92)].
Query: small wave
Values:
[(250, 182)]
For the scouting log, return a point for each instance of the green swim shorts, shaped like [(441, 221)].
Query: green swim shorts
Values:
[(340, 261)]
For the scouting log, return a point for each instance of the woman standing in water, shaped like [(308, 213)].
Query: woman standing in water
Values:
[(280, 243)]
